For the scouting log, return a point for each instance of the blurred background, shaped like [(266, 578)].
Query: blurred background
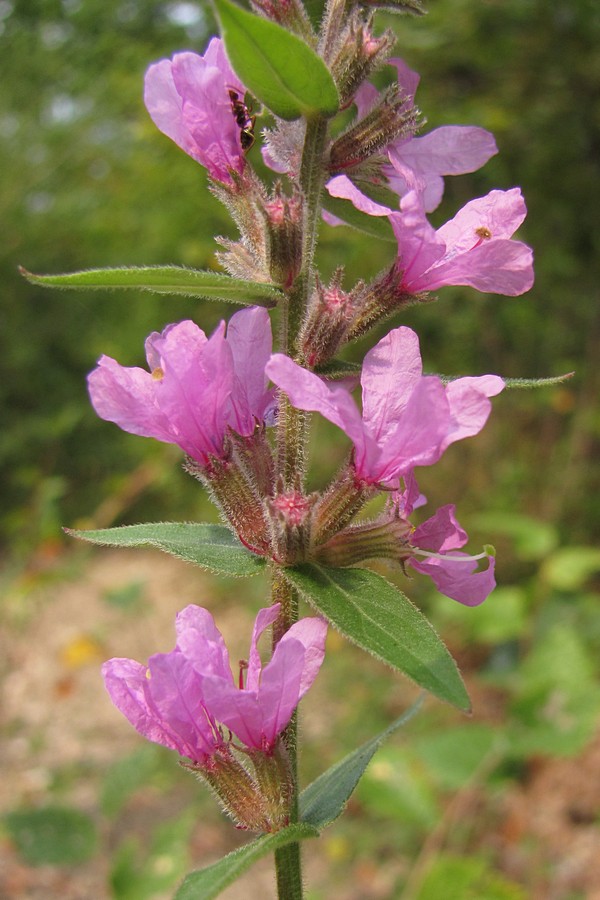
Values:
[(504, 806)]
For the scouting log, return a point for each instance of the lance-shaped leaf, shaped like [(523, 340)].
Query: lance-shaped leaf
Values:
[(325, 799), (213, 547), (166, 280), (378, 617), (276, 66), (207, 883)]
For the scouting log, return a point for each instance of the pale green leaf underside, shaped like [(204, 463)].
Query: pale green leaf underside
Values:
[(276, 66), (324, 800), (207, 883), (166, 280), (213, 547), (378, 617)]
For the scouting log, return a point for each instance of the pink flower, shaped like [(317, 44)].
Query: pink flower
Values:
[(434, 546), (188, 100), (197, 387), (474, 248), (419, 163), (407, 419), (180, 698)]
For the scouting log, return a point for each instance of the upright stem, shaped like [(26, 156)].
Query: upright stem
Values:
[(291, 454)]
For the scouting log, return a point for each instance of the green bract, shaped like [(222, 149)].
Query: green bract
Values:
[(277, 67)]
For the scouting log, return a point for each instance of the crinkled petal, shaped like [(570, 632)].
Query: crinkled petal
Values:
[(201, 642), (501, 212), (441, 532), (165, 105), (449, 150), (419, 247), (494, 267), (419, 434), (264, 619), (390, 373), (457, 578), (251, 342), (127, 396), (469, 405), (311, 633)]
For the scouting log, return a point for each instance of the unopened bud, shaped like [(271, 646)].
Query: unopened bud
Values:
[(330, 315), (284, 222), (343, 499), (359, 53), (384, 540), (382, 298), (245, 199), (289, 13), (235, 494), (290, 522), (276, 784), (391, 118)]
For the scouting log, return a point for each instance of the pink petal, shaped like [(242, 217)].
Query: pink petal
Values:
[(459, 580), (311, 633), (419, 434), (341, 187), (469, 405), (501, 212), (250, 339), (307, 391), (449, 150), (201, 642), (390, 373), (494, 267), (441, 532), (264, 619), (127, 397), (419, 247)]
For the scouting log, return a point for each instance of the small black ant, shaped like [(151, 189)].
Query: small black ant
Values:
[(242, 116)]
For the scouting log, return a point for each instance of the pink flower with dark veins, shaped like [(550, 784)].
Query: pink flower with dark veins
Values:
[(433, 549), (181, 698), (188, 98), (408, 419), (196, 387), (475, 248)]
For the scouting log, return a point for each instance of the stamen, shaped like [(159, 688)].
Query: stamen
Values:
[(243, 665), (449, 556), (158, 374)]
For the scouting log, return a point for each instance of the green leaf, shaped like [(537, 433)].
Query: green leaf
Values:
[(166, 280), (53, 835), (207, 883), (324, 800), (213, 547), (375, 226), (378, 617), (276, 66)]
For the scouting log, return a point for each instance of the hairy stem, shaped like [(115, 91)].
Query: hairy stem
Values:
[(291, 453)]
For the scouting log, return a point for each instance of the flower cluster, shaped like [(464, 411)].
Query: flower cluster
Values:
[(212, 396), (182, 700)]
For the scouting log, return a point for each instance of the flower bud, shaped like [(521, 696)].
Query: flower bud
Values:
[(289, 13), (330, 315), (290, 523), (383, 540), (245, 199), (342, 500), (389, 119), (237, 497), (381, 299), (284, 221), (359, 53)]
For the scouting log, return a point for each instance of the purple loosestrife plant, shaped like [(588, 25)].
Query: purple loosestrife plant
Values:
[(247, 441)]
